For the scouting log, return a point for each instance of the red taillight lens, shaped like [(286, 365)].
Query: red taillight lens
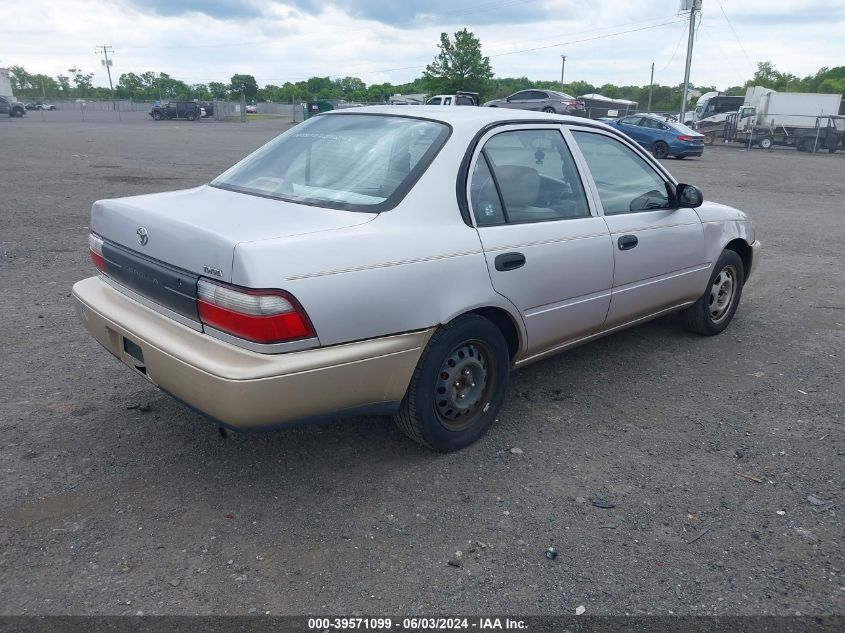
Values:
[(95, 247), (261, 316), (685, 138)]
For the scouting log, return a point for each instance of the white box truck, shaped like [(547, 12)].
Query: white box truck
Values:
[(768, 117), (8, 104)]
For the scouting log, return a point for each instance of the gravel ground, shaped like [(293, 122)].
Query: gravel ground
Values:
[(116, 499)]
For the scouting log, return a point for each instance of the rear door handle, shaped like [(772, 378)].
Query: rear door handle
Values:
[(509, 261), (627, 242)]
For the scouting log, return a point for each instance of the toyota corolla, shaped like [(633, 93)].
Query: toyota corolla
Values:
[(403, 262)]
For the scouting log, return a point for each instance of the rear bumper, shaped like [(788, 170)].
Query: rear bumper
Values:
[(686, 151), (240, 388)]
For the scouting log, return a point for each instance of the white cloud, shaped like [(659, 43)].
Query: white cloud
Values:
[(278, 41)]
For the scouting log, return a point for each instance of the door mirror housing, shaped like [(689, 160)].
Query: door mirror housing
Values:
[(688, 196)]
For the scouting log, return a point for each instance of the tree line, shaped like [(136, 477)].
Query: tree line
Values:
[(458, 65)]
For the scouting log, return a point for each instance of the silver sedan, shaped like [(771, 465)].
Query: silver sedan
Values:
[(402, 262)]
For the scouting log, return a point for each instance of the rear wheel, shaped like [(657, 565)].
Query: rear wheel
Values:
[(712, 313), (549, 110), (191, 116), (458, 385), (709, 138), (157, 116), (660, 149)]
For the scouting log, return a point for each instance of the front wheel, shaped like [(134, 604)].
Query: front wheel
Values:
[(18, 112), (712, 313), (660, 149), (766, 142), (191, 116), (157, 116), (709, 138), (458, 386)]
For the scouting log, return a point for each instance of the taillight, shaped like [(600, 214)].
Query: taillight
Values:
[(95, 247), (570, 102), (261, 316), (686, 139)]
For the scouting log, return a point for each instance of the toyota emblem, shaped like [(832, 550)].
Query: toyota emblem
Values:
[(143, 236)]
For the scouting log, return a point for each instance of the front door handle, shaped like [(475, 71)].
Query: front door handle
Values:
[(509, 261), (627, 242)]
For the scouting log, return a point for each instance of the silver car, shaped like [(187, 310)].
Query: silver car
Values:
[(548, 101), (379, 260)]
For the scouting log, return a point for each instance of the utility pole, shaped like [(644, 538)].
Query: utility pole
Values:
[(105, 50), (650, 87), (562, 65), (694, 6)]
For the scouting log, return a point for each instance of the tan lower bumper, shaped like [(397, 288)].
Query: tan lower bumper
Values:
[(239, 387)]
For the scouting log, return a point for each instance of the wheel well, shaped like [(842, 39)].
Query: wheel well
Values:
[(504, 322), (741, 248)]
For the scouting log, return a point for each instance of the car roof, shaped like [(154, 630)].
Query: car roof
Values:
[(463, 116)]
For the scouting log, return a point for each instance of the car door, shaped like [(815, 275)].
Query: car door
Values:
[(519, 100), (631, 125), (658, 249), (547, 250)]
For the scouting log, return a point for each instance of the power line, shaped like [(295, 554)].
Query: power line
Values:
[(674, 52), (747, 58)]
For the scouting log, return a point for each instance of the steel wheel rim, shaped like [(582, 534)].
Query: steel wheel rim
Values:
[(722, 292), (462, 384)]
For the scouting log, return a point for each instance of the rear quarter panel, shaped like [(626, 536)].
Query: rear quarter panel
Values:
[(413, 267)]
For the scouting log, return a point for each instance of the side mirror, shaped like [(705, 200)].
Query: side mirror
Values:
[(688, 196)]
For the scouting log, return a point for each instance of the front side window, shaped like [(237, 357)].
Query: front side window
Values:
[(433, 101), (625, 181), (527, 176), (345, 161)]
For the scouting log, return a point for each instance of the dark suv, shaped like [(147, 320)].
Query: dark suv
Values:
[(12, 108), (543, 101), (189, 110)]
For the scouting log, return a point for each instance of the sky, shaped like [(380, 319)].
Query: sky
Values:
[(605, 41)]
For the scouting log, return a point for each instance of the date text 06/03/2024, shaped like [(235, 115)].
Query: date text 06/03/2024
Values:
[(416, 624)]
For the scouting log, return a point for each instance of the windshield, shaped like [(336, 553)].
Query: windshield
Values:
[(355, 162)]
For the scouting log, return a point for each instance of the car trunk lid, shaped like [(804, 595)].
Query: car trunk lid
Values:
[(196, 230)]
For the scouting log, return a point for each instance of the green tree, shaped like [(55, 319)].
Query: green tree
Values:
[(459, 65), (217, 89), (246, 83)]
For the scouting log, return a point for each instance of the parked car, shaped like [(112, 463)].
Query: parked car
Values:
[(548, 101), (8, 105), (40, 105), (661, 136), (189, 110), (252, 109), (339, 270), (460, 98)]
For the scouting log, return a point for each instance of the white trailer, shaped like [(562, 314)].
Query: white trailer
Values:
[(5, 84)]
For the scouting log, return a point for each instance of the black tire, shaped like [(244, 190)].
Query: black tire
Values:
[(18, 112), (549, 110), (430, 414), (705, 316), (766, 142), (191, 116), (660, 150), (709, 138), (157, 116)]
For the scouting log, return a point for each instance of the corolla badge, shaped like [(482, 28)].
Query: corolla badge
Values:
[(143, 236)]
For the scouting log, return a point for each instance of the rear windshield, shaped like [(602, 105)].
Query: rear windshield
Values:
[(355, 162), (683, 129)]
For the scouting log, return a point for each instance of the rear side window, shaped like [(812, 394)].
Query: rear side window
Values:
[(345, 161), (625, 182), (526, 176)]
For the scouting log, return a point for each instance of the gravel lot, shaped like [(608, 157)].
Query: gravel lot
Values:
[(116, 499)]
